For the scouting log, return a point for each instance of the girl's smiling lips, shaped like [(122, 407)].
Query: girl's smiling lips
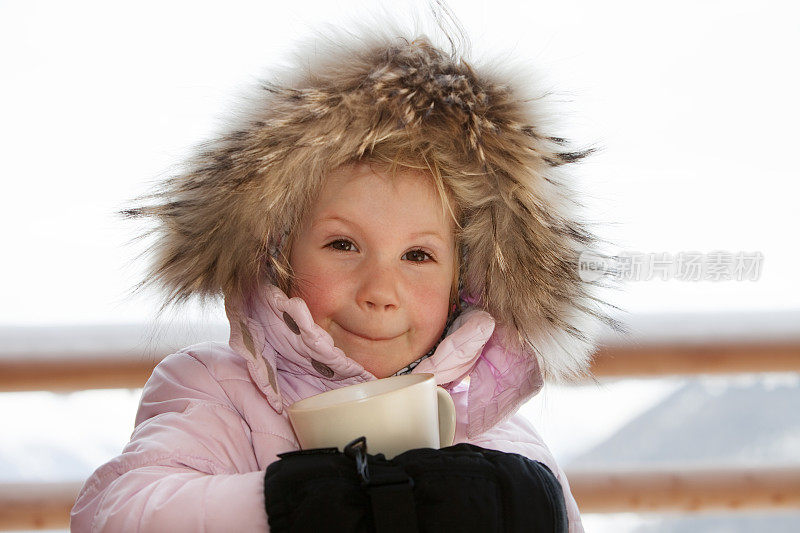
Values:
[(367, 337)]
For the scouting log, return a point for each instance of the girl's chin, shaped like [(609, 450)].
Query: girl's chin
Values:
[(381, 358), (380, 364)]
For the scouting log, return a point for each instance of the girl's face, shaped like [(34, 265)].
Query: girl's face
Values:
[(374, 262)]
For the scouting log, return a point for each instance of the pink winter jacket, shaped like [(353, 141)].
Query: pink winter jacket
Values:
[(212, 418)]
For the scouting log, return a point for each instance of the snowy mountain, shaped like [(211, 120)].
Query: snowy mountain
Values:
[(744, 420)]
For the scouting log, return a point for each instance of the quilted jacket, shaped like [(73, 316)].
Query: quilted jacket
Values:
[(212, 418)]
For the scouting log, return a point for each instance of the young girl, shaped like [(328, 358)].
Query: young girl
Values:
[(384, 208)]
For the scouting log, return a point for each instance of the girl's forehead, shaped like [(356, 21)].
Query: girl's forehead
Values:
[(403, 200), (355, 186)]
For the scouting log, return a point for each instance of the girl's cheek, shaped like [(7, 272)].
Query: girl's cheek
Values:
[(434, 303), (321, 289)]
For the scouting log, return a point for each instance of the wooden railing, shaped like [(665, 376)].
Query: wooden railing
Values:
[(47, 505), (32, 371), (686, 490), (681, 489)]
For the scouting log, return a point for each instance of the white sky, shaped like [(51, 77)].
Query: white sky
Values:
[(693, 103)]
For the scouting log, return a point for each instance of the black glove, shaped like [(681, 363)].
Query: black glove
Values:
[(461, 488)]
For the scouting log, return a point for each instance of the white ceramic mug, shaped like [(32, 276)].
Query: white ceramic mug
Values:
[(395, 414)]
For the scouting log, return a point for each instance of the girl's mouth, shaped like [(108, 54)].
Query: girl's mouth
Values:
[(369, 337)]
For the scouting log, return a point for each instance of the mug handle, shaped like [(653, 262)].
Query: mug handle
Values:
[(447, 417)]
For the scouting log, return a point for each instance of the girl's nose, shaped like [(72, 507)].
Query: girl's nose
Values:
[(378, 287)]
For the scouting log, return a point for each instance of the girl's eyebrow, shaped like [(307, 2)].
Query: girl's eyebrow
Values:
[(434, 234), (416, 235), (334, 218)]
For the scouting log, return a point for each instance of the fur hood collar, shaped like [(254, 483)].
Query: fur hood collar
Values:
[(482, 129)]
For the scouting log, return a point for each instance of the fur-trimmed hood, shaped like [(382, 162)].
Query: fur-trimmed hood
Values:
[(484, 131)]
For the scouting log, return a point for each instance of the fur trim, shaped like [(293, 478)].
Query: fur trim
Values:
[(476, 126)]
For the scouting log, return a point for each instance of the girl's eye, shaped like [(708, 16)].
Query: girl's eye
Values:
[(417, 256), (342, 245)]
